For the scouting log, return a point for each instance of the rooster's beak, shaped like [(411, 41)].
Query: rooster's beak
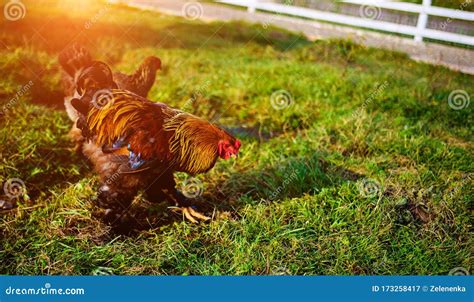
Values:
[(234, 156)]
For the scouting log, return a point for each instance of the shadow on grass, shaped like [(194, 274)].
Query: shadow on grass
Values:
[(63, 168), (293, 178)]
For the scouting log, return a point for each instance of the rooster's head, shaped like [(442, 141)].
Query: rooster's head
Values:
[(228, 148), (95, 77)]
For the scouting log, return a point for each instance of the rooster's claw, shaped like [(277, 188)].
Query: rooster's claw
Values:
[(191, 214)]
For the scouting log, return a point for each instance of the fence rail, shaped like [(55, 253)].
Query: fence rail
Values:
[(369, 21)]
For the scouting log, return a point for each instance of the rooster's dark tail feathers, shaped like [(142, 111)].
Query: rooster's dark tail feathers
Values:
[(74, 58)]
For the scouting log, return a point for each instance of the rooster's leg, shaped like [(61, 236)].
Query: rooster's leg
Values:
[(165, 188), (192, 215), (183, 205), (155, 193)]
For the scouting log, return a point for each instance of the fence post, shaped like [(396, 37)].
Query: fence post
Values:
[(422, 20), (251, 6)]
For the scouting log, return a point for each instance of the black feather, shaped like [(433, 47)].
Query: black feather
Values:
[(81, 105)]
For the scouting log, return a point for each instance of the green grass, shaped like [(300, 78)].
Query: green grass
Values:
[(293, 203)]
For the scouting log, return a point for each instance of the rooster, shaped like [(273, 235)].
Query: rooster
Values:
[(75, 59), (77, 63), (136, 144)]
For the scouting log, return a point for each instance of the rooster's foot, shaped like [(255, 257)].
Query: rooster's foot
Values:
[(191, 214)]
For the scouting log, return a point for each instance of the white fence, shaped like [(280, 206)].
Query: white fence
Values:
[(368, 17)]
